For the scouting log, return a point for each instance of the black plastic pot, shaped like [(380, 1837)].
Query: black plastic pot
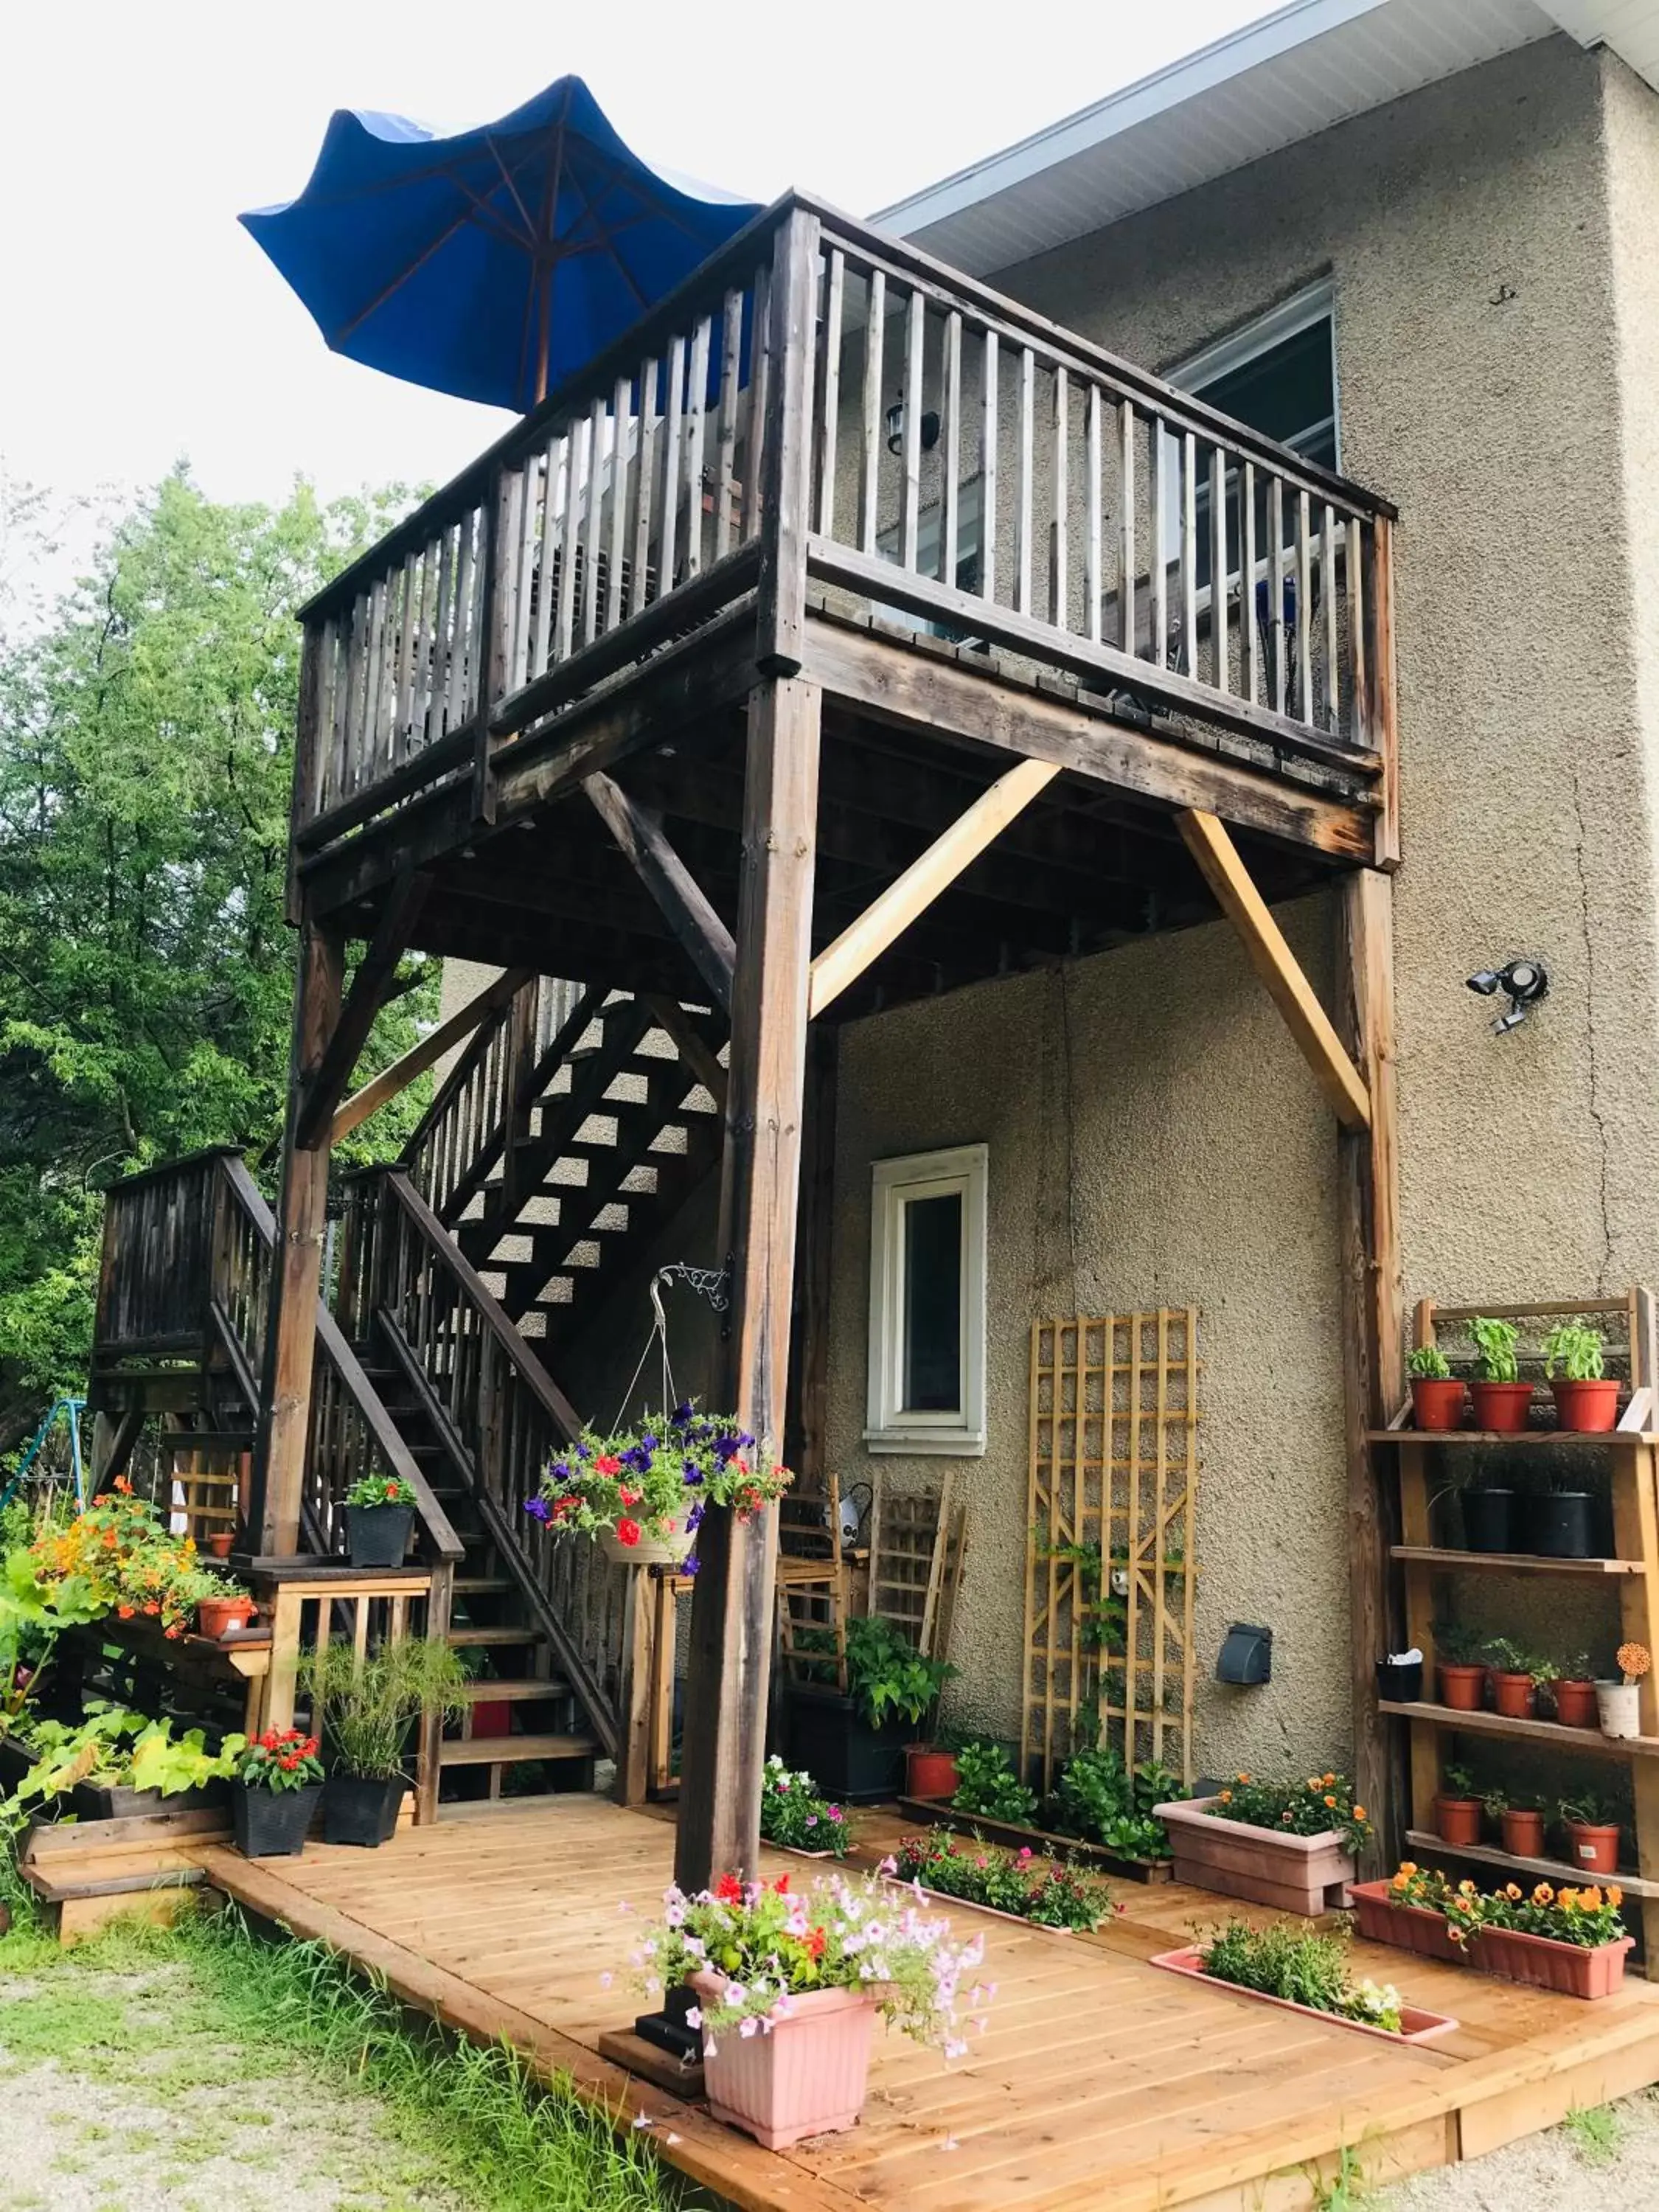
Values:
[(378, 1535), (845, 1756), (271, 1823), (1488, 1520), (1399, 1682), (1560, 1526), (359, 1810)]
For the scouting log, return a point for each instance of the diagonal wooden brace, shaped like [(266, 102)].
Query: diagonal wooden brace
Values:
[(705, 937)]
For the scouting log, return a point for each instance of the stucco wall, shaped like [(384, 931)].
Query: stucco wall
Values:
[(1472, 237)]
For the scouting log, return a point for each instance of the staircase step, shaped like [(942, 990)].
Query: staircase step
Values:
[(482, 1585), (467, 1638), (520, 1691), (515, 1750)]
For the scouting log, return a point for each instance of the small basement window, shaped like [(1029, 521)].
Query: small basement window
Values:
[(926, 1389)]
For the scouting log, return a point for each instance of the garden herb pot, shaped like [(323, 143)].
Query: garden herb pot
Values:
[(1457, 1820), (1501, 1407), (1436, 1404), (1512, 1695), (378, 1535), (1620, 1707), (1577, 1704), (1488, 1520), (1590, 1407), (1592, 1848), (807, 2076), (359, 1808), (271, 1823), (1523, 1833), (1463, 1688)]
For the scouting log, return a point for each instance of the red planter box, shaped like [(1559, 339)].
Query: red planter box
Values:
[(1538, 1962)]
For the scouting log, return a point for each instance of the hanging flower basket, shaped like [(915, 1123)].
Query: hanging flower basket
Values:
[(670, 1551)]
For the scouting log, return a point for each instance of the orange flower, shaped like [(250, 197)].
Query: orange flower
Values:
[(1331, 1801), (1226, 1797), (1329, 1778), (1360, 1811), (1543, 1894), (1615, 1895)]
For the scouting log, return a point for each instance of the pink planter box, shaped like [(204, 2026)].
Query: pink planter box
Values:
[(807, 2076), (1537, 1961), (1308, 1875), (1416, 2025)]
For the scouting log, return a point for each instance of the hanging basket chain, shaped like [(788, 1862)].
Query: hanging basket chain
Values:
[(714, 1283)]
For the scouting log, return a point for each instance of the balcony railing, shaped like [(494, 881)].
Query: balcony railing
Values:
[(943, 455)]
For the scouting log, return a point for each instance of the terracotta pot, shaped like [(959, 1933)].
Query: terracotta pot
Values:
[(1592, 1848), (218, 1545), (1295, 1873), (1436, 1404), (929, 1773), (1618, 1708), (214, 1615), (1536, 1960), (806, 2077), (1463, 1688), (1575, 1705), (1457, 1820), (1502, 1408), (1590, 1407), (1523, 1833), (1407, 1927), (1512, 1695)]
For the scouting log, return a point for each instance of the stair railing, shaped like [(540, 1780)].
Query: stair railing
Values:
[(501, 1417)]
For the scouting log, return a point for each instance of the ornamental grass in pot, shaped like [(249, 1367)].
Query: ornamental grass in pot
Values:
[(788, 1985), (363, 1710), (279, 1781), (639, 1494), (1456, 1808), (1586, 1395), (1502, 1402), (1436, 1394), (379, 1513), (1488, 1516)]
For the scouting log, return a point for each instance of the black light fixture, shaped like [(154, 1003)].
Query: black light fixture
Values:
[(896, 428), (1525, 983)]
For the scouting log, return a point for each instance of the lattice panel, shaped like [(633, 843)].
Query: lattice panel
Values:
[(1111, 1559)]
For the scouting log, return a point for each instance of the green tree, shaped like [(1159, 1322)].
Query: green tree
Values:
[(146, 970)]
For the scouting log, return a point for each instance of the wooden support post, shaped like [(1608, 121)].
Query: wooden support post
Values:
[(705, 937), (732, 1623), (1222, 868), (1372, 1299), (633, 1783), (787, 446), (273, 1518), (809, 1338)]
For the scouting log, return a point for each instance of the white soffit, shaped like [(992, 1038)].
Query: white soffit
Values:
[(1283, 79)]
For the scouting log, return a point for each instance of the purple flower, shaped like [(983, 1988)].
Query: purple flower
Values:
[(680, 1416), (694, 1519), (690, 1564), (539, 1509)]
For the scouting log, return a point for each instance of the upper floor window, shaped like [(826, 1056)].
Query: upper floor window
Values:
[(926, 1385)]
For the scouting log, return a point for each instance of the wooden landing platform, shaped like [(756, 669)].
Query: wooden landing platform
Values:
[(1102, 2082)]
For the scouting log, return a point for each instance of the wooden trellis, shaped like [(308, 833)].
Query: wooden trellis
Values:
[(1111, 1561)]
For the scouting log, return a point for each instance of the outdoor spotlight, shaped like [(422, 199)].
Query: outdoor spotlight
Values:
[(896, 428), (1525, 983)]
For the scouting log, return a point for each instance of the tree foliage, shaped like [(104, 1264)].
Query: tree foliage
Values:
[(146, 970)]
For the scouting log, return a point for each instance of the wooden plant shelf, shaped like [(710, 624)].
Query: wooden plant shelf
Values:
[(1555, 1871), (1550, 1732), (1517, 1439), (1512, 1562)]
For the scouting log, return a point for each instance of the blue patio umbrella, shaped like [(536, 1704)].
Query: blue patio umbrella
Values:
[(495, 263)]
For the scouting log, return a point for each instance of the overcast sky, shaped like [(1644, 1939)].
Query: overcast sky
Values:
[(139, 323)]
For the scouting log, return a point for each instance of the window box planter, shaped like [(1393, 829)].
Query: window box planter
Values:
[(939, 1813), (378, 1535), (807, 2077), (1537, 1961), (1308, 1875), (851, 1762), (273, 1824), (358, 1809), (1416, 2025)]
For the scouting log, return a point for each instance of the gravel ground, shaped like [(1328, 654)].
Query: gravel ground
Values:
[(114, 2097), (1602, 2161)]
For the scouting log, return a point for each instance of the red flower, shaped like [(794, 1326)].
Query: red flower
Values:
[(782, 1885), (729, 1890), (289, 1761), (627, 1532), (124, 1611), (608, 1465), (629, 1497), (815, 1943)]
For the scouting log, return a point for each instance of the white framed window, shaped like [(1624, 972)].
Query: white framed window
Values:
[(926, 1389)]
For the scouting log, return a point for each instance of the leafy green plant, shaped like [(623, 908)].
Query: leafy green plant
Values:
[(372, 1490), (1053, 1896), (116, 1748), (1588, 1808), (1512, 1658), (365, 1707), (887, 1676), (795, 1813), (280, 1760), (1296, 1963), (1577, 1350), (1428, 1363), (36, 1609), (1495, 1343), (1456, 1781), (1457, 1645), (987, 1784), (1097, 1799), (1593, 2130)]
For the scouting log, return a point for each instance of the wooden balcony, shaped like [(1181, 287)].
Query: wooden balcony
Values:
[(1020, 561)]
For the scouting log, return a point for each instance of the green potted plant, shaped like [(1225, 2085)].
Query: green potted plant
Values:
[(380, 1512), (1288, 1845), (1436, 1394), (987, 1786), (1586, 1395), (1460, 1669), (363, 1708), (1575, 1693), (855, 1743), (1457, 1807), (1502, 1401), (220, 1605), (1514, 1678), (1619, 1704), (1592, 1831), (1099, 1801), (279, 1780), (796, 1816)]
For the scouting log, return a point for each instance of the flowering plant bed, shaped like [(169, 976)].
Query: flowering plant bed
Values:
[(788, 1985), (1291, 1845), (117, 1557), (1019, 1885), (1572, 1941), (650, 1486), (795, 1817), (1412, 2023), (939, 1813)]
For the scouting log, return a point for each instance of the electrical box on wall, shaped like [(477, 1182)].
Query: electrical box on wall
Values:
[(1246, 1655)]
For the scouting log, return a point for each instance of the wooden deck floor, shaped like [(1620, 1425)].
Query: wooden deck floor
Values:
[(1102, 2082)]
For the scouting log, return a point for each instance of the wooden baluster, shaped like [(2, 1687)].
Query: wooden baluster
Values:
[(371, 737), (910, 514), (423, 648), (760, 368), (951, 505), (1332, 649), (531, 497), (443, 645), (1093, 582), (1303, 608), (1162, 447), (1247, 628), (645, 490), (726, 473), (617, 553), (595, 522), (1059, 594), (697, 409), (666, 578), (1189, 552), (575, 445), (1220, 656), (830, 403), (1276, 591), (554, 492), (338, 663), (1359, 731), (463, 659), (988, 521), (1023, 503), (351, 698), (407, 626), (874, 420)]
